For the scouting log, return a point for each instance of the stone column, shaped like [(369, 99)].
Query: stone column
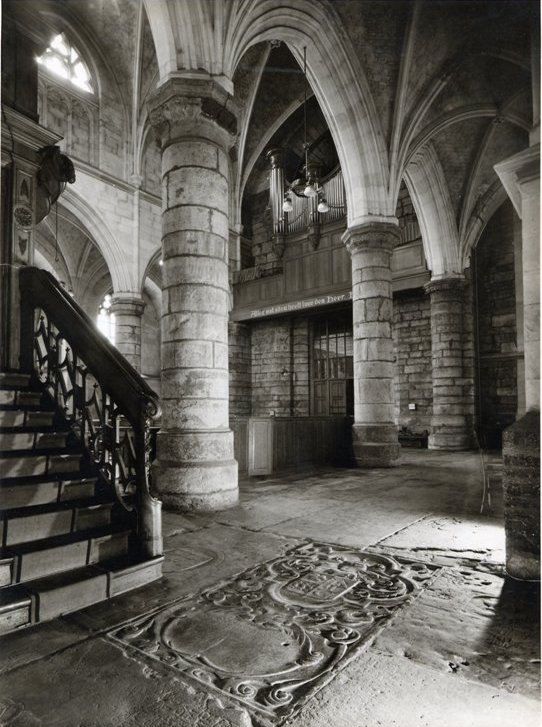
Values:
[(128, 311), (520, 176), (196, 469), (452, 420), (374, 433)]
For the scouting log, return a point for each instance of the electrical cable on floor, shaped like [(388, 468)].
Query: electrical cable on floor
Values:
[(485, 489)]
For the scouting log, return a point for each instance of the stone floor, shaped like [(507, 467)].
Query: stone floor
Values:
[(332, 598)]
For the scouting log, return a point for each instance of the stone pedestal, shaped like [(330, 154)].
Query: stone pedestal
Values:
[(374, 433), (452, 420), (128, 312), (521, 483), (195, 467)]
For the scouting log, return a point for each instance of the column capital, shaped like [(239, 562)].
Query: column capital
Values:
[(127, 305), (276, 157), (452, 285), (376, 235), (183, 108)]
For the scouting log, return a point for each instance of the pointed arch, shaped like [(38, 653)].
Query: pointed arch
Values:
[(430, 196), (334, 73), (98, 231)]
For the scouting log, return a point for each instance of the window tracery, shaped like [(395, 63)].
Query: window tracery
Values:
[(64, 61), (67, 101)]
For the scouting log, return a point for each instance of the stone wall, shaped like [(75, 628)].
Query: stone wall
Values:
[(412, 348), (300, 367), (270, 368), (150, 344), (240, 367), (259, 227), (496, 324), (280, 368)]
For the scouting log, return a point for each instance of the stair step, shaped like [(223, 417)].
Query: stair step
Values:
[(25, 418), (15, 494), (30, 464), (66, 592), (14, 397), (66, 552), (61, 547), (14, 379), (47, 521), (46, 598), (11, 441), (6, 571), (15, 609), (127, 573)]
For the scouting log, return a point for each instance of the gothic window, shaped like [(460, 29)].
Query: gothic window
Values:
[(332, 368), (106, 320), (67, 102), (64, 61)]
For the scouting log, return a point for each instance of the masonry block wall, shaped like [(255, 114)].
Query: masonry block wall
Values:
[(412, 348), (150, 344), (300, 367), (496, 324), (270, 366), (240, 368), (258, 227), (469, 351)]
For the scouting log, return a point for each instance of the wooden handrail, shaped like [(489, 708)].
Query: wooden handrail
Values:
[(39, 289)]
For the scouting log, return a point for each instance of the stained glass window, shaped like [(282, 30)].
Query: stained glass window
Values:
[(63, 60)]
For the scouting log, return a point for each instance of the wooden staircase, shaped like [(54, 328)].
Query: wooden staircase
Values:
[(66, 541)]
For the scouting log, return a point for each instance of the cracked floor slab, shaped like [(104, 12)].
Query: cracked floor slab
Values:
[(464, 652), (274, 635)]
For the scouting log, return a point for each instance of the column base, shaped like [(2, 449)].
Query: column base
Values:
[(375, 446), (521, 486), (451, 436), (450, 442), (197, 486)]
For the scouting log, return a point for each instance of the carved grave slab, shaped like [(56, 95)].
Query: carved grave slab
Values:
[(274, 635)]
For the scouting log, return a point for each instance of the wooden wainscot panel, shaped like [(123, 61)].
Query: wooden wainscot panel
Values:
[(408, 266), (260, 446), (407, 258), (239, 427), (293, 275), (317, 273), (301, 441), (341, 265), (272, 288), (246, 294)]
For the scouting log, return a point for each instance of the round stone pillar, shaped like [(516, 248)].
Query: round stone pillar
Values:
[(374, 433), (195, 466), (452, 420), (128, 312)]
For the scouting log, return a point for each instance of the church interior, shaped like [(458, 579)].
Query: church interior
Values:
[(269, 363)]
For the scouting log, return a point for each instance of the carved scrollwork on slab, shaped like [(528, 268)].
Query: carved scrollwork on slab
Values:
[(272, 636), (23, 217)]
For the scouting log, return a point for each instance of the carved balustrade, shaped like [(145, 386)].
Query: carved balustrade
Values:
[(106, 403)]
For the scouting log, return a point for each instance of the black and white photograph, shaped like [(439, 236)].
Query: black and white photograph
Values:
[(270, 363)]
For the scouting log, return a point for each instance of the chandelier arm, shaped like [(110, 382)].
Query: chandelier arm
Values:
[(305, 144)]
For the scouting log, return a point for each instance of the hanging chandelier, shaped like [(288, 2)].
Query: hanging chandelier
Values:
[(307, 185)]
